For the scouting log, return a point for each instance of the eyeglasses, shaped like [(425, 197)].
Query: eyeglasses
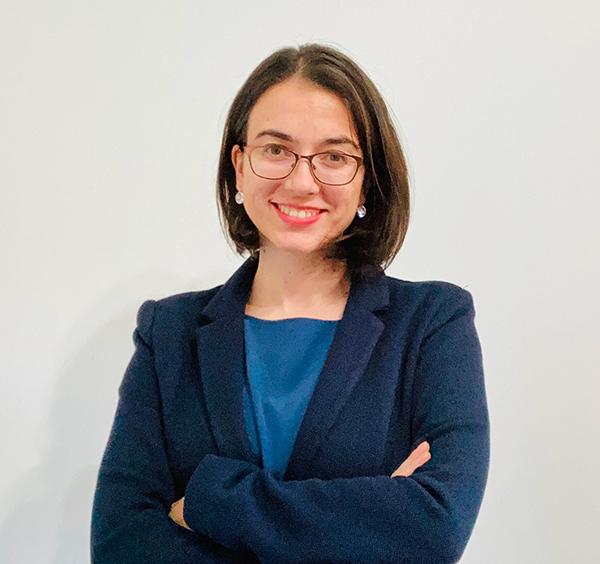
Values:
[(275, 162)]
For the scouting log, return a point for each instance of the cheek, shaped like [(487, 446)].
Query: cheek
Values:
[(256, 199), (347, 203)]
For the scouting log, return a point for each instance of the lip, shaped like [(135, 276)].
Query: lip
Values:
[(297, 220)]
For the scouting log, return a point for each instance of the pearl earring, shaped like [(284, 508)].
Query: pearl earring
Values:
[(239, 197), (361, 211)]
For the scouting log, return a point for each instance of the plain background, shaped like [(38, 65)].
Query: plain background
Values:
[(111, 116)]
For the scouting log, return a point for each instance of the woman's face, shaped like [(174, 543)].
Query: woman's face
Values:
[(306, 119)]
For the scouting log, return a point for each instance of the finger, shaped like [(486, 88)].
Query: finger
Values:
[(420, 457), (418, 454), (422, 446), (416, 459), (414, 464)]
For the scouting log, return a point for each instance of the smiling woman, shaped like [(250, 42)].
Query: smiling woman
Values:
[(311, 408), (337, 150), (299, 115)]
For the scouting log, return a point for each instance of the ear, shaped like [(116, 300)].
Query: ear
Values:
[(237, 159), (364, 188), (362, 198)]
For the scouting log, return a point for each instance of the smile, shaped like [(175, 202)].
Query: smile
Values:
[(294, 212), (296, 216)]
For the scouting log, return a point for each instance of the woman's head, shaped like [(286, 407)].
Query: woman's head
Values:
[(308, 100)]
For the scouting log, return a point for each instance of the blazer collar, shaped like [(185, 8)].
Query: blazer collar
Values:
[(221, 356)]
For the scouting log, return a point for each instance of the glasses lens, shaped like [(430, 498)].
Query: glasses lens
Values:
[(272, 161), (334, 168)]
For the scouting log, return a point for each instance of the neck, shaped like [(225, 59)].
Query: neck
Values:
[(291, 282)]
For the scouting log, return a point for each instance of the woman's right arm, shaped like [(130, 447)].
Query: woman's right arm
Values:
[(135, 488)]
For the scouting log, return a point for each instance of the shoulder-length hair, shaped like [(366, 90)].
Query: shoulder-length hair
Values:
[(367, 244)]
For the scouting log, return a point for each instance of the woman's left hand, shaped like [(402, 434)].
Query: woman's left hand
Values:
[(176, 513)]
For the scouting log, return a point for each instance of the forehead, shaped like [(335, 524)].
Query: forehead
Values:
[(303, 110)]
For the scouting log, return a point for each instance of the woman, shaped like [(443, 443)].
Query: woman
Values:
[(312, 408)]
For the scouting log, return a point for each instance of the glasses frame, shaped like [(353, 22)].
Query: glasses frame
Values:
[(309, 158)]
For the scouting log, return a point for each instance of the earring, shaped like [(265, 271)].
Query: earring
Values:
[(239, 197), (361, 211)]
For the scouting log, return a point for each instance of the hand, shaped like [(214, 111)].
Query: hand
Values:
[(417, 458), (176, 513)]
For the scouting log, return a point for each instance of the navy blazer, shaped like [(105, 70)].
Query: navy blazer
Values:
[(405, 365)]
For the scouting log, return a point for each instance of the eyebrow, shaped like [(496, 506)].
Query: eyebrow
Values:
[(340, 140)]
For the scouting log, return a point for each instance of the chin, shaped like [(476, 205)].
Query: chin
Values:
[(303, 247)]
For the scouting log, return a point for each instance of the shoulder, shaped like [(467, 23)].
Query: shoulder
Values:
[(430, 300), (434, 291), (172, 313)]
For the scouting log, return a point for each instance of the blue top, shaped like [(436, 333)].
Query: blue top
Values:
[(284, 358)]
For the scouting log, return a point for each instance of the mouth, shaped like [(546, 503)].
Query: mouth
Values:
[(297, 215), (295, 207)]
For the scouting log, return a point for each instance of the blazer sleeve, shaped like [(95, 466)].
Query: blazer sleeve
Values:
[(135, 488), (427, 517)]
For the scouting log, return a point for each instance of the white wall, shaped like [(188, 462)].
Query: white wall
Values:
[(110, 119)]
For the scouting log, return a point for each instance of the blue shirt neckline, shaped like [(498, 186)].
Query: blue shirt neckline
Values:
[(247, 316)]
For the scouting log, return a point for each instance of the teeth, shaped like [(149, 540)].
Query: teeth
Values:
[(293, 212)]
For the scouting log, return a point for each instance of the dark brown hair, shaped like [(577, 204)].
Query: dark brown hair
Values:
[(367, 244)]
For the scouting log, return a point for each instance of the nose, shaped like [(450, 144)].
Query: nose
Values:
[(301, 178)]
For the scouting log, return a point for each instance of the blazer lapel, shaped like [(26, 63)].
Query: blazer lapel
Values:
[(221, 355), (355, 337), (222, 359)]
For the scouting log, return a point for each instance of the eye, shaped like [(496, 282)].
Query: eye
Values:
[(273, 149), (333, 159)]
